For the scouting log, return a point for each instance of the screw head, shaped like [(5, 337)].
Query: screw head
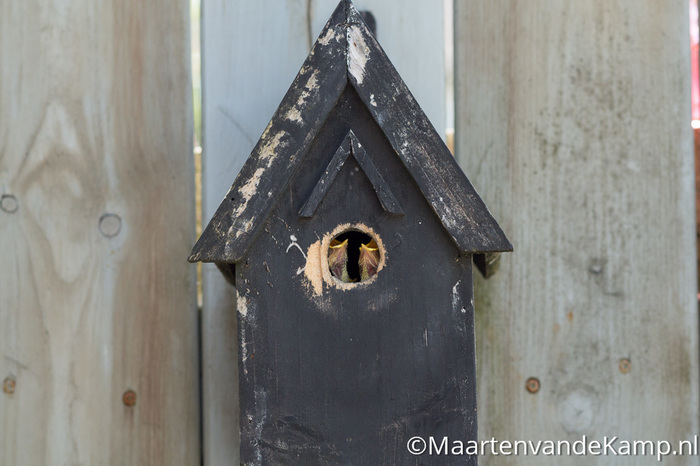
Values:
[(110, 225), (532, 385), (129, 398), (9, 203), (8, 385), (625, 365)]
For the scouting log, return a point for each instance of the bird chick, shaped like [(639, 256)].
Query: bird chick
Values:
[(338, 260), (369, 260)]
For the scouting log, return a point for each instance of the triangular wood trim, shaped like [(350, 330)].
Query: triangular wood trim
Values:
[(326, 180), (386, 197), (351, 145)]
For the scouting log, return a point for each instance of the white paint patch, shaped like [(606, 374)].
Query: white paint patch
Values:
[(330, 35), (449, 222), (371, 100), (244, 352), (358, 54), (267, 152), (456, 302), (248, 190), (312, 83), (237, 231), (295, 244), (294, 113), (241, 304)]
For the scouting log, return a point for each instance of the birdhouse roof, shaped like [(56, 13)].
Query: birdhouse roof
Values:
[(347, 54)]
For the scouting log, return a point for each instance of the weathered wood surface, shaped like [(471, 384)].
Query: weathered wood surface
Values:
[(97, 219), (238, 102), (347, 54), (332, 371), (351, 146), (346, 373), (573, 122)]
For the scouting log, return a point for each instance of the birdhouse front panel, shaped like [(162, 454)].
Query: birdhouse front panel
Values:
[(341, 367)]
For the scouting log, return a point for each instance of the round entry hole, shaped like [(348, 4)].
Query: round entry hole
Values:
[(353, 256)]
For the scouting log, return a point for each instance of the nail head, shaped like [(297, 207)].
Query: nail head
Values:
[(129, 398), (625, 365), (8, 386), (532, 385)]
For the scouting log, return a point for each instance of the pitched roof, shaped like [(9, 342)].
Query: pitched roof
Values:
[(346, 53)]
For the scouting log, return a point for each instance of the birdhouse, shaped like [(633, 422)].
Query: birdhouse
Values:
[(349, 235)]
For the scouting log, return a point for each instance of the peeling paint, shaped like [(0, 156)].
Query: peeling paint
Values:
[(294, 114), (261, 417), (268, 151), (311, 87), (330, 35), (267, 130), (312, 83), (243, 345), (371, 100), (358, 54), (248, 190), (236, 230), (456, 302), (449, 222), (242, 305)]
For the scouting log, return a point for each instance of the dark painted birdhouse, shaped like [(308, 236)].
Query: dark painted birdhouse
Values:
[(349, 235)]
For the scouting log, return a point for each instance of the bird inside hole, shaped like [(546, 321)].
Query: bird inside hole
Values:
[(353, 257), (338, 259)]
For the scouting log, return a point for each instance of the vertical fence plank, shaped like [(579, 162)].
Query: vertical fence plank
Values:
[(573, 122), (251, 52), (97, 219)]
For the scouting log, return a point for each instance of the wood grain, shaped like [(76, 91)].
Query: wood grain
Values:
[(238, 102), (346, 373), (96, 297), (573, 123)]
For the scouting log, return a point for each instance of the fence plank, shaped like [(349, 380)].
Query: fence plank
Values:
[(251, 52), (97, 220), (573, 122)]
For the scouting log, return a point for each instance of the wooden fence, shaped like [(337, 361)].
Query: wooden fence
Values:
[(572, 121), (96, 298)]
